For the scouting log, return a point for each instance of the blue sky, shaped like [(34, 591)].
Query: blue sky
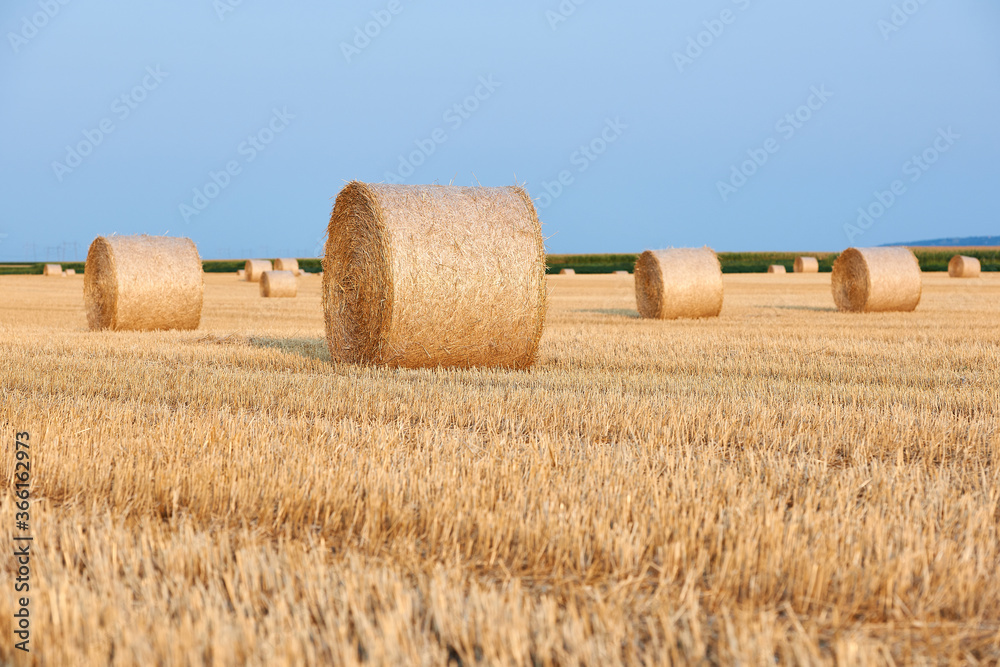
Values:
[(740, 124)]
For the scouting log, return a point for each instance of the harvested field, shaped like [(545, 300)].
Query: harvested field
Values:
[(784, 482)]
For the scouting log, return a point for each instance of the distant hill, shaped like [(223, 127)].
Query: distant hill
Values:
[(966, 242)]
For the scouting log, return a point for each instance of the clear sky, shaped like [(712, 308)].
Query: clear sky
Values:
[(740, 124)]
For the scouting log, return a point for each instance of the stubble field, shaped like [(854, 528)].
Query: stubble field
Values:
[(783, 483)]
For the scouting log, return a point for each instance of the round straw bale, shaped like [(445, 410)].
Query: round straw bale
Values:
[(286, 264), (255, 267), (278, 283), (873, 280), (776, 268), (679, 282), (52, 270), (567, 272), (622, 273), (241, 273), (143, 283), (70, 272), (806, 265), (428, 275), (961, 266)]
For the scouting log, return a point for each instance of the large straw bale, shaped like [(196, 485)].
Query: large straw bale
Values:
[(678, 282), (52, 270), (876, 280), (255, 267), (806, 265), (776, 268), (426, 275), (961, 266), (287, 264), (278, 284), (143, 283)]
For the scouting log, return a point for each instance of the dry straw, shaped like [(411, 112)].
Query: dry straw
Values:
[(278, 284), (255, 267), (241, 273), (287, 264), (679, 282), (70, 272), (52, 270), (426, 275), (876, 280), (961, 266), (621, 273), (806, 265), (143, 283), (776, 268), (567, 272)]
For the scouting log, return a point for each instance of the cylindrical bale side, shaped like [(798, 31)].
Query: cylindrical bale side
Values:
[(255, 267), (278, 284), (143, 283), (70, 272), (287, 264), (962, 266), (806, 265), (776, 268), (52, 270), (870, 280), (678, 282), (567, 272), (425, 276)]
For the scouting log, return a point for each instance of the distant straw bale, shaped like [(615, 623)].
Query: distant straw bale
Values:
[(961, 266), (567, 272), (425, 276), (52, 270), (255, 267), (70, 272), (241, 273), (776, 268), (622, 273), (278, 284), (287, 264), (143, 283), (876, 280), (678, 282), (806, 265)]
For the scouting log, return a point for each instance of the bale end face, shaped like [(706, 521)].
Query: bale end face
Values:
[(278, 284), (962, 266), (287, 264), (52, 270)]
